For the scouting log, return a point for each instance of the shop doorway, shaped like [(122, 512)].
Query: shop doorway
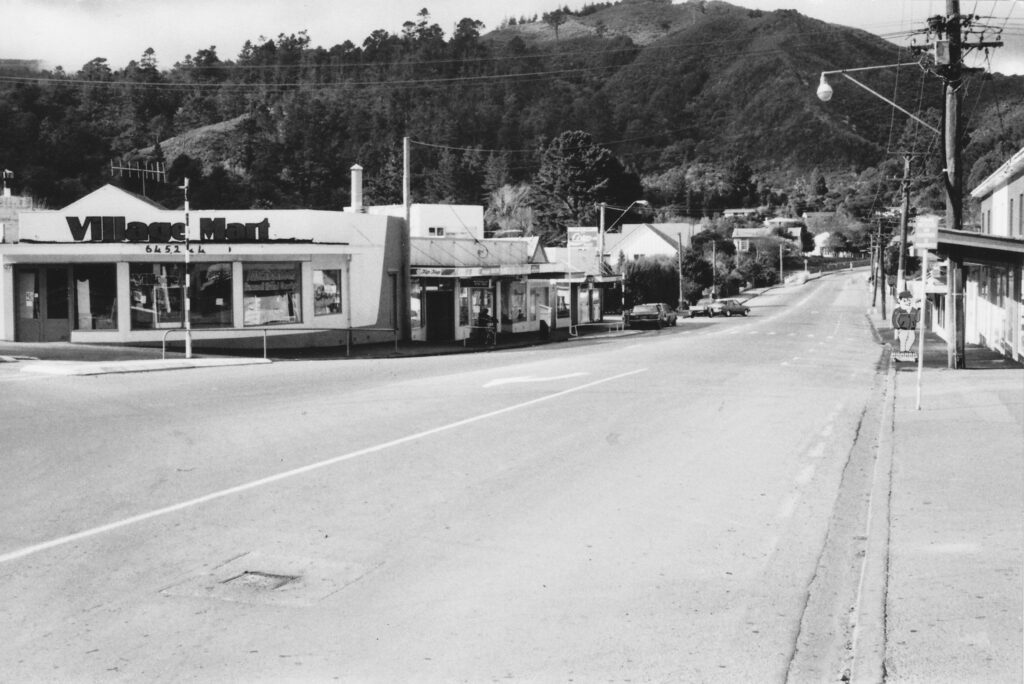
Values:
[(440, 316), (43, 303)]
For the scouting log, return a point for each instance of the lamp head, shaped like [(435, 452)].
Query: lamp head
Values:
[(824, 90), (644, 203)]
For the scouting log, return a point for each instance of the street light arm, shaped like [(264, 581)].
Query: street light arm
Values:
[(883, 97), (625, 211), (825, 90)]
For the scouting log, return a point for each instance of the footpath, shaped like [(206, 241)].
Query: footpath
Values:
[(954, 597)]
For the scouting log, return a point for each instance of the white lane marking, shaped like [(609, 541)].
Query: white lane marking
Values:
[(788, 506), (530, 378), (805, 475), (238, 489)]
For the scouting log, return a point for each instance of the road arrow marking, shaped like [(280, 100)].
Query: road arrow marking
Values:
[(530, 378)]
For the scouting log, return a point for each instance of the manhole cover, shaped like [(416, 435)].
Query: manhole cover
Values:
[(259, 581)]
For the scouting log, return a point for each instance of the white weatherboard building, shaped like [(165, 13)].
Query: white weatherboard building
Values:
[(110, 268), (993, 262)]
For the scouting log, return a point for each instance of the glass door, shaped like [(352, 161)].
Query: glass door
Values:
[(26, 293), (43, 302)]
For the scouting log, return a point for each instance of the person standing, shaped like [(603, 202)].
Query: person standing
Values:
[(905, 319)]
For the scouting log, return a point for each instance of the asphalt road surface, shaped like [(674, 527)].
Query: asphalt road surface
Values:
[(649, 507)]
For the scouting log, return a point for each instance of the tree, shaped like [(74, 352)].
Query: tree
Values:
[(696, 274), (555, 19), (652, 279), (575, 175), (509, 210)]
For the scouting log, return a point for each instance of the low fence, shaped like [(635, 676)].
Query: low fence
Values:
[(265, 330)]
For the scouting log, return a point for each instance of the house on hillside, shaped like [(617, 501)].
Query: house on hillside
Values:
[(741, 213), (649, 239), (753, 239)]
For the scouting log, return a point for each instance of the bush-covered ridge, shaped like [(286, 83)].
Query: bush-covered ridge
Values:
[(686, 96)]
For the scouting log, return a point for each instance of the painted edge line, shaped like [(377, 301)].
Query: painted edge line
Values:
[(270, 479)]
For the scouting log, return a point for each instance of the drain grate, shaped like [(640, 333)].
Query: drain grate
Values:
[(259, 581)]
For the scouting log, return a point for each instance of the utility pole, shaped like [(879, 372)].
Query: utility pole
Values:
[(874, 273), (949, 53), (901, 268), (881, 267), (187, 299), (952, 74), (679, 264), (782, 270)]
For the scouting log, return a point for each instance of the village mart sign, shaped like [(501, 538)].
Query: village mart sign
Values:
[(119, 229)]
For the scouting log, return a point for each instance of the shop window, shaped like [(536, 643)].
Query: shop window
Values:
[(437, 231), (95, 296), (156, 295), (562, 303), (539, 304), (272, 293), (514, 303), (210, 296), (474, 303), (326, 292), (415, 304)]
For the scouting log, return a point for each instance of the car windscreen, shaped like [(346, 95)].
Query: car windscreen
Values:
[(645, 308)]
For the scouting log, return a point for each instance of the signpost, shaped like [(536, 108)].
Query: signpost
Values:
[(583, 241), (926, 237)]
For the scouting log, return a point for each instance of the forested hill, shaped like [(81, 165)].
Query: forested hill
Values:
[(683, 94)]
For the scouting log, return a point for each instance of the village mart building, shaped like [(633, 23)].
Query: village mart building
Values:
[(110, 268)]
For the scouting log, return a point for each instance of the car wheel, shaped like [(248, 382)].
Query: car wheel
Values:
[(745, 313), (728, 314), (711, 314)]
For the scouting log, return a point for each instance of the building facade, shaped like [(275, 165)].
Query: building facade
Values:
[(114, 267), (993, 262)]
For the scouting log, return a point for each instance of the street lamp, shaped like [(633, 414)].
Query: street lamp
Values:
[(600, 253), (603, 206), (824, 91)]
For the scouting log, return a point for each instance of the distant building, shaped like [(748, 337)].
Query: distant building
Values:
[(649, 239)]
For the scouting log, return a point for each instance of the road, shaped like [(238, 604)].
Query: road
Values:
[(646, 508)]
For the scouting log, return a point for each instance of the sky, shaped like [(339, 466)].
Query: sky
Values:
[(69, 33)]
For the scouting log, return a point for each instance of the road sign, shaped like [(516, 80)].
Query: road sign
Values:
[(926, 235)]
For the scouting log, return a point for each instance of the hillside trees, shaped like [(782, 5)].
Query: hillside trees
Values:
[(575, 175), (663, 108)]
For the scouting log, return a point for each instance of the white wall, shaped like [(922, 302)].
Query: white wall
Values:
[(457, 220)]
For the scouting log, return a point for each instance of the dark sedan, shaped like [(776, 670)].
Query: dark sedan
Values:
[(655, 315)]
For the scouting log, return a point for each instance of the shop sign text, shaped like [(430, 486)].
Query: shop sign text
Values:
[(118, 229)]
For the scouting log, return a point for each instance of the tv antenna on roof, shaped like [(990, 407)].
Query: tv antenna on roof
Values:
[(140, 169)]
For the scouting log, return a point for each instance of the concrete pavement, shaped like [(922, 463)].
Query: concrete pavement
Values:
[(953, 556), (953, 597)]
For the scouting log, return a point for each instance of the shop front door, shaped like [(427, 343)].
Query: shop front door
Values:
[(43, 302), (440, 316)]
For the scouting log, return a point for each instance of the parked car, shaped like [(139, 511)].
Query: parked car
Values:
[(718, 307), (658, 315), (729, 307), (702, 308)]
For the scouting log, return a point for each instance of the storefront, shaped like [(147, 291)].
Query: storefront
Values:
[(449, 303), (457, 283), (992, 271), (116, 268)]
